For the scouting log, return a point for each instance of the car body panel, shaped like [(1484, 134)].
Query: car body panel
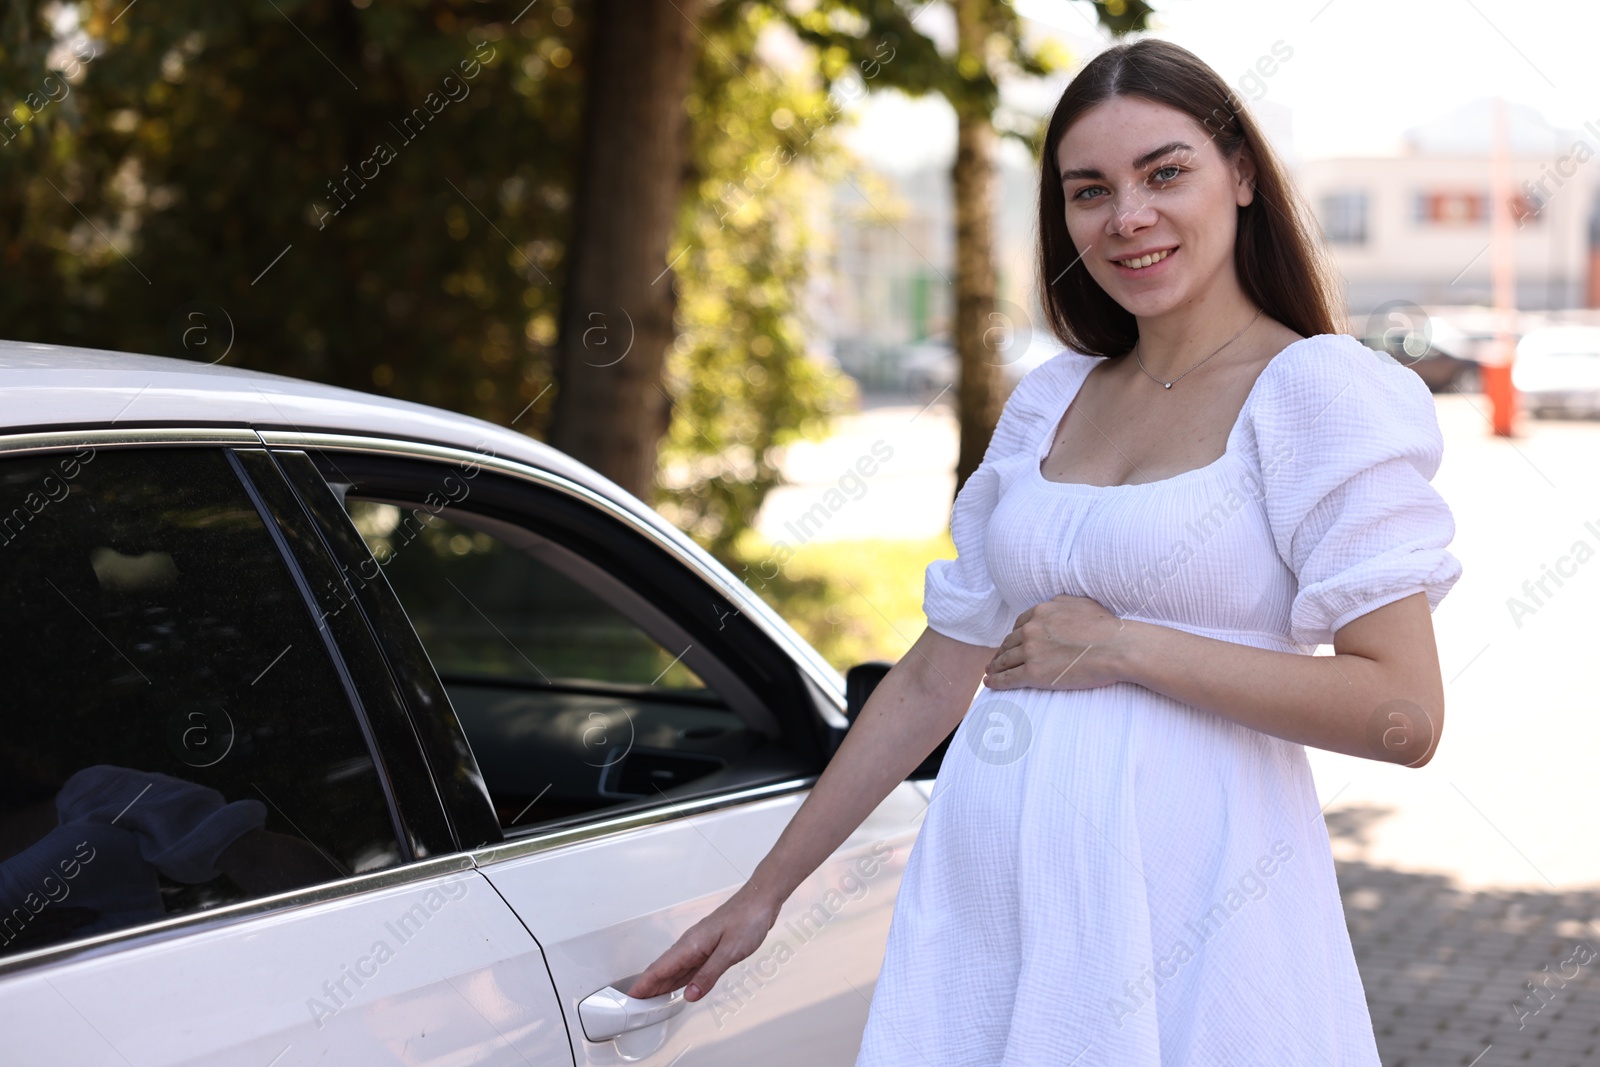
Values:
[(792, 993), (462, 981)]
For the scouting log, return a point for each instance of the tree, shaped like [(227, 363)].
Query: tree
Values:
[(317, 188), (981, 342), (740, 380), (385, 197), (617, 308)]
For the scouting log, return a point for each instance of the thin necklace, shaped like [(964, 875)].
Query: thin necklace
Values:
[(1225, 344)]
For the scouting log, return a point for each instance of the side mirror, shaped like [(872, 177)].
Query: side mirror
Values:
[(859, 682)]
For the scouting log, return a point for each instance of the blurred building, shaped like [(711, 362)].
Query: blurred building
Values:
[(893, 269), (1411, 226), (1415, 226)]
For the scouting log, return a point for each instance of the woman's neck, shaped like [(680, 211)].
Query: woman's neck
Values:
[(1171, 343)]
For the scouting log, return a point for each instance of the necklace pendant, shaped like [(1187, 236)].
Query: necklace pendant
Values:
[(1166, 385)]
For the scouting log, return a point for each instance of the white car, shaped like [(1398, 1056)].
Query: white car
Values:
[(341, 730), (1557, 369), (929, 368)]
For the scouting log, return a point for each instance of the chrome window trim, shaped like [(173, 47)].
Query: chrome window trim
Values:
[(173, 926), (57, 440), (530, 844), (828, 682), (535, 842), (750, 604)]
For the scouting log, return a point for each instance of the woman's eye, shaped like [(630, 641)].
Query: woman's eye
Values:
[(1173, 167), (1086, 189)]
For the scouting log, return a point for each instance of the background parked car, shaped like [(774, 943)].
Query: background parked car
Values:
[(928, 368), (1443, 345), (1557, 370)]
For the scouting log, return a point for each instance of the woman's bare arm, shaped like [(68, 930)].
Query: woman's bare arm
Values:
[(916, 705), (1379, 696)]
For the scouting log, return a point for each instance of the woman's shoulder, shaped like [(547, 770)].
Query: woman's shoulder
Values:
[(1039, 388), (1333, 393), (1313, 374), (1039, 395)]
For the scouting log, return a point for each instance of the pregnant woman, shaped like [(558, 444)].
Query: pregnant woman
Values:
[(1123, 862)]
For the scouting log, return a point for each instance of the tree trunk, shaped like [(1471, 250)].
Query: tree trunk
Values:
[(980, 398), (617, 311)]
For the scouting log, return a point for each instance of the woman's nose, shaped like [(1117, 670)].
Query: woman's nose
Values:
[(1131, 211)]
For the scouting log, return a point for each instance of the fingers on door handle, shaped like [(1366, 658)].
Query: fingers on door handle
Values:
[(609, 1013)]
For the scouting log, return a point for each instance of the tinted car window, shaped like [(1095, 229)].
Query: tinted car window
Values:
[(176, 734), (485, 609), (569, 704)]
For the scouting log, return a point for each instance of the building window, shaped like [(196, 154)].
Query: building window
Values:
[(1452, 207), (1344, 217)]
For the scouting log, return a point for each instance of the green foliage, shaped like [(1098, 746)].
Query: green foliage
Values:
[(859, 33), (421, 258), (851, 600), (426, 260), (865, 32), (762, 157), (1123, 16), (251, 164), (38, 228)]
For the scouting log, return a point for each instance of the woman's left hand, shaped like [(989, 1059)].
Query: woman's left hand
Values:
[(1067, 642)]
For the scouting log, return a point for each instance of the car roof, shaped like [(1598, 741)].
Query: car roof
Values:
[(54, 387), (1554, 338)]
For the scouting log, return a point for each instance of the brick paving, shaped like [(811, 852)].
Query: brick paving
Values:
[(1470, 878), (1443, 966)]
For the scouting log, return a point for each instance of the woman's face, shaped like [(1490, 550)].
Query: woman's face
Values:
[(1145, 180)]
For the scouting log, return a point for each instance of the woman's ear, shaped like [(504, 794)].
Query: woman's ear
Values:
[(1244, 171)]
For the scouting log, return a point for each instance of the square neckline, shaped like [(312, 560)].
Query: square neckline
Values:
[(1043, 448)]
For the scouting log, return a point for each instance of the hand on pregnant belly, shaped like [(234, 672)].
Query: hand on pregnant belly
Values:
[(1067, 642)]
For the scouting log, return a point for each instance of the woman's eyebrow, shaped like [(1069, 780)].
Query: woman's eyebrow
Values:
[(1142, 161), (1151, 157)]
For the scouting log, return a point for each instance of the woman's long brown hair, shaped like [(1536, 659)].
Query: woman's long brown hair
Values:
[(1277, 250)]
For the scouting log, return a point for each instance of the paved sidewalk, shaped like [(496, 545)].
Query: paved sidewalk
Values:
[(1468, 879), (1448, 972)]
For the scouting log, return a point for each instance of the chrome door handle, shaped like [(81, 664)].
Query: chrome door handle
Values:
[(610, 1013)]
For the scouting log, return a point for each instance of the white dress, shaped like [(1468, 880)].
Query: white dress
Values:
[(1109, 877)]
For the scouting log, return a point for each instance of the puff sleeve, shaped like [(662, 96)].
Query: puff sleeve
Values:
[(1349, 442), (959, 596)]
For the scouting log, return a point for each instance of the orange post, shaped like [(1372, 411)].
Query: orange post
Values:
[(1502, 267)]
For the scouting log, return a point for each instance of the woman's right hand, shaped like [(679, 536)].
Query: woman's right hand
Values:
[(708, 948)]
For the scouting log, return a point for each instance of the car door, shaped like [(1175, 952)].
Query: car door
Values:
[(644, 743), (218, 840)]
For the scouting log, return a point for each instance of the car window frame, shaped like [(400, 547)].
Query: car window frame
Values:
[(411, 868), (267, 499), (816, 701), (659, 626), (420, 708)]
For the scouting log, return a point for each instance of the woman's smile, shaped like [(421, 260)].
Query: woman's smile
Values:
[(1145, 265)]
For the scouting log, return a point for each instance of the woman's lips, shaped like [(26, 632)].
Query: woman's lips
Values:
[(1145, 272)]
